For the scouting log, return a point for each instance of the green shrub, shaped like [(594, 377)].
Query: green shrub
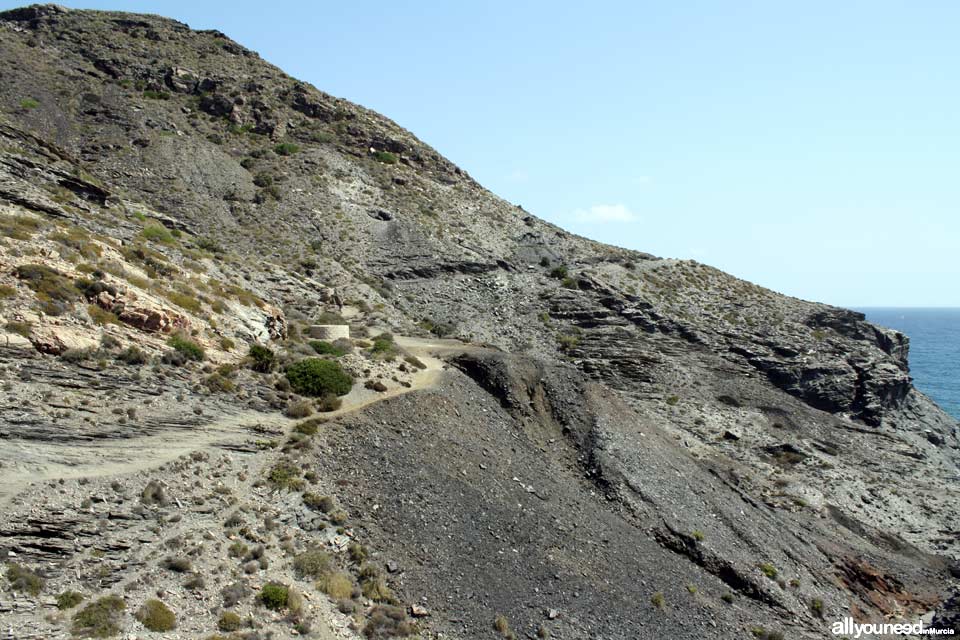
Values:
[(6, 291), (385, 157), (156, 616), (24, 329), (263, 179), (69, 599), (816, 605), (157, 233), (262, 359), (558, 273), (375, 588), (187, 347), (18, 227), (29, 103), (227, 344), (313, 563), (133, 355), (156, 95), (101, 316), (672, 400), (285, 475), (657, 600), (286, 149), (769, 570), (22, 579), (318, 502), (316, 377), (184, 301), (327, 349), (697, 535), (338, 585), (274, 596), (298, 409), (308, 427), (229, 621), (389, 622), (99, 619), (47, 283)]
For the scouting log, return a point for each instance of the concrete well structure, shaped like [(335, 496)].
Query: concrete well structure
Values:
[(329, 332)]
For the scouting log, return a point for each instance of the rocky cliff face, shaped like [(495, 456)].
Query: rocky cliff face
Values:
[(620, 441)]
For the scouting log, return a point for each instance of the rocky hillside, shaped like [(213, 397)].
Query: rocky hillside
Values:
[(545, 436)]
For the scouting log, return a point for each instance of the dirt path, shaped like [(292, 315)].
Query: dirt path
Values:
[(23, 463)]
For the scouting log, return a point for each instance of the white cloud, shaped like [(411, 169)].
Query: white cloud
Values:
[(606, 213), (518, 175)]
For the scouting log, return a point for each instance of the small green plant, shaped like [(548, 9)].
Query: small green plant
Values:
[(101, 316), (285, 475), (385, 157), (338, 585), (24, 580), (727, 597), (262, 359), (187, 347), (692, 588), (672, 400), (313, 563), (697, 535), (286, 149), (157, 233), (316, 377), (657, 600), (816, 605), (274, 595), (47, 283), (307, 427), (156, 616), (29, 103), (156, 95), (6, 291), (99, 619), (229, 621), (316, 501), (24, 329), (769, 570), (327, 349), (68, 599), (558, 273)]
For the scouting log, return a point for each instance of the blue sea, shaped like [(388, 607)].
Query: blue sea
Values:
[(934, 349)]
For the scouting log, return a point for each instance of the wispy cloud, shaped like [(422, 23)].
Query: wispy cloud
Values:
[(518, 175), (606, 213)]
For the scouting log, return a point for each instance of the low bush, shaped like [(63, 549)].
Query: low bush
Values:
[(47, 283), (338, 585), (388, 622), (99, 619), (274, 596), (186, 347), (24, 580), (133, 355), (385, 157), (313, 563), (229, 621), (285, 475), (299, 409), (286, 149), (24, 329), (262, 359), (68, 599), (157, 233), (317, 377), (156, 616), (327, 349)]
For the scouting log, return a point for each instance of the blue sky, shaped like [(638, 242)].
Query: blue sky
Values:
[(809, 147)]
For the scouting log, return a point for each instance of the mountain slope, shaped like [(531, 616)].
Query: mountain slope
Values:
[(633, 425)]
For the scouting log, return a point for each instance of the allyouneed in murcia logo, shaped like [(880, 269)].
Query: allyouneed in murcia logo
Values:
[(847, 627)]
